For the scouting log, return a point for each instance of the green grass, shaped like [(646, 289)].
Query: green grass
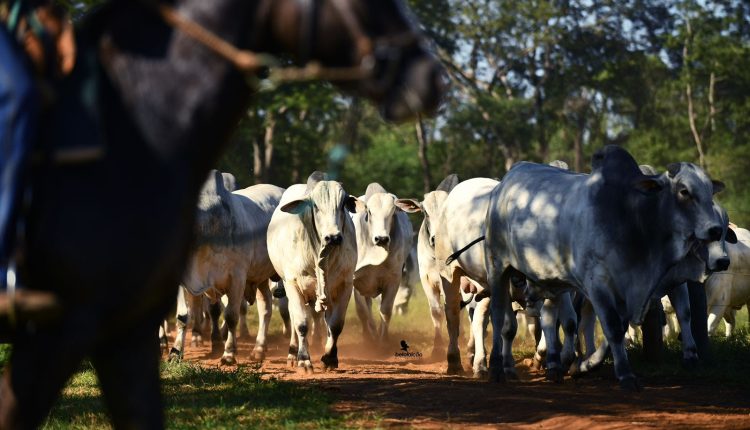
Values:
[(202, 398)]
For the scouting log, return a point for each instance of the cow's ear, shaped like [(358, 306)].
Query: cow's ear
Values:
[(718, 186), (354, 205), (296, 206), (648, 185), (408, 205), (731, 236)]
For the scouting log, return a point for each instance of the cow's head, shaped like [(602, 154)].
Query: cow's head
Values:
[(431, 205), (380, 213), (714, 253), (326, 203), (213, 215), (693, 192)]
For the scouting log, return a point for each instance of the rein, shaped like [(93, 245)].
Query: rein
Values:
[(249, 62)]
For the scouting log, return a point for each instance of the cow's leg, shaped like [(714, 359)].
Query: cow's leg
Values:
[(453, 317), (284, 313), (386, 310), (364, 312), (614, 330), (182, 319), (196, 306), (301, 325), (432, 292), (550, 312), (214, 311), (541, 350), (508, 333), (235, 296), (588, 327), (335, 319), (244, 330), (499, 283), (163, 337), (470, 346), (569, 321), (263, 298), (681, 304), (479, 332), (715, 314), (128, 373), (729, 322), (319, 330)]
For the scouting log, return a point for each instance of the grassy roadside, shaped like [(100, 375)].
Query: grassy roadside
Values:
[(202, 398)]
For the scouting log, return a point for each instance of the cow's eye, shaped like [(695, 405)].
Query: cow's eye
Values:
[(367, 215), (315, 207), (684, 193)]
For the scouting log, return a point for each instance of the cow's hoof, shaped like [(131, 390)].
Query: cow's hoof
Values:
[(536, 363), (455, 369), (690, 362), (555, 375), (630, 384), (228, 360), (329, 362), (510, 373), (291, 360), (259, 354), (496, 376), (305, 365), (175, 355), (481, 373)]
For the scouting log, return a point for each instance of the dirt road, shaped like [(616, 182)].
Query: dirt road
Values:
[(398, 392)]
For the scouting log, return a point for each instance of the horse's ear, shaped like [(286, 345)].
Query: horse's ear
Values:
[(408, 205), (296, 207), (448, 183)]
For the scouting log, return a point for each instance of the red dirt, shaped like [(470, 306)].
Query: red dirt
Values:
[(413, 393)]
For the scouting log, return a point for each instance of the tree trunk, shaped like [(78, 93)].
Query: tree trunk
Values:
[(263, 151), (422, 152), (689, 95), (351, 127)]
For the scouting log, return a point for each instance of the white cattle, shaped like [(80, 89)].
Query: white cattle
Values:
[(409, 278), (429, 271), (384, 236), (312, 245), (613, 235), (729, 290), (461, 219), (231, 255)]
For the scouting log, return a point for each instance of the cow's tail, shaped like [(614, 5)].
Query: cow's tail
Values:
[(451, 258)]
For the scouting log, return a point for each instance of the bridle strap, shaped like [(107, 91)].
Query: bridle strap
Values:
[(249, 62)]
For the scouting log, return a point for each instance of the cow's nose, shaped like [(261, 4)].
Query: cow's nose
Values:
[(333, 239), (382, 240), (722, 264), (714, 233)]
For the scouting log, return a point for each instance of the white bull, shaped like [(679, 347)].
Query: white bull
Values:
[(384, 236), (729, 290), (429, 271), (312, 244)]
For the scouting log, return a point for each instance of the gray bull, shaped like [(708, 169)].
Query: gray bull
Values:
[(231, 256), (613, 234)]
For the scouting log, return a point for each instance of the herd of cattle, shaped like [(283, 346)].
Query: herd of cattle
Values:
[(563, 248)]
